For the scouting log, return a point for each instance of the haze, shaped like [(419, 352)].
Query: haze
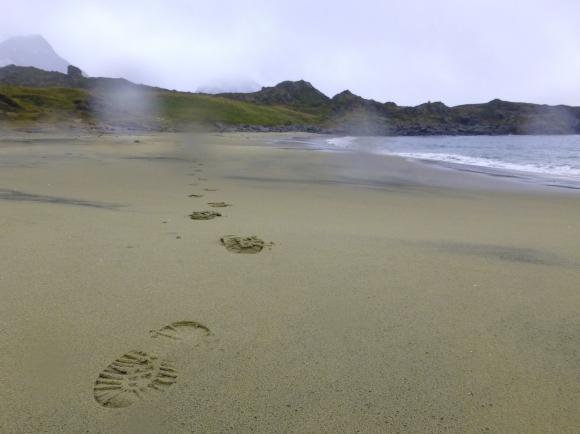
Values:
[(408, 52)]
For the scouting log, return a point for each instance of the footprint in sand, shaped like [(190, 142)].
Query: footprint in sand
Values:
[(181, 330), (250, 244), (219, 204), (139, 375), (133, 376), (204, 215)]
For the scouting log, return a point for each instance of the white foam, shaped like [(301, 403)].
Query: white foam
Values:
[(346, 142), (546, 169)]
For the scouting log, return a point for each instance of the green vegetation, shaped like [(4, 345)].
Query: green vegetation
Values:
[(23, 107), (181, 108), (43, 105)]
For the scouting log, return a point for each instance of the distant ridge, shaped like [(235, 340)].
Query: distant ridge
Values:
[(34, 95), (28, 76), (31, 50)]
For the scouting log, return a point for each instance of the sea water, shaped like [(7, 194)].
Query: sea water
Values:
[(551, 160)]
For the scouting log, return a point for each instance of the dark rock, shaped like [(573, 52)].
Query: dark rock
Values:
[(74, 72)]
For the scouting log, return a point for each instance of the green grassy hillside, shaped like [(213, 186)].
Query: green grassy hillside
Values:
[(182, 108), (22, 107)]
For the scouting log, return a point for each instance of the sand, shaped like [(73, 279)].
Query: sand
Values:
[(397, 297)]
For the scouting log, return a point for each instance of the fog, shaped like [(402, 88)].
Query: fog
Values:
[(126, 107), (454, 51)]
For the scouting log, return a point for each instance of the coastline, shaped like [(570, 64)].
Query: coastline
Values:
[(497, 169), (397, 296)]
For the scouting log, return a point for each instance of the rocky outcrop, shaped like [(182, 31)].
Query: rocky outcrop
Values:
[(28, 76), (352, 114), (74, 72), (299, 94)]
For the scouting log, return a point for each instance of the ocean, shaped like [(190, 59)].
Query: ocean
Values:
[(549, 160)]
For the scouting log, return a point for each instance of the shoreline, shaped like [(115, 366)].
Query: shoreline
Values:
[(515, 180), (543, 180)]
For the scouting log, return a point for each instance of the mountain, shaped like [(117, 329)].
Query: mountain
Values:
[(31, 96), (31, 50), (299, 94)]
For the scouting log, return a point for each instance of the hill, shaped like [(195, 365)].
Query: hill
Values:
[(298, 94), (33, 98)]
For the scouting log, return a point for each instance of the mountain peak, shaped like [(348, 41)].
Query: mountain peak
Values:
[(298, 93), (345, 94), (429, 107), (293, 93), (31, 50), (295, 84)]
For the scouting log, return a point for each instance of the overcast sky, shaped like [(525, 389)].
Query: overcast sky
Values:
[(407, 51)]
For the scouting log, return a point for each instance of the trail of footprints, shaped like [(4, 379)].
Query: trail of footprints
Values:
[(232, 243), (138, 375)]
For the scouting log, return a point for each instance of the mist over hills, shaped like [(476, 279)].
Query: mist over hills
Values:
[(31, 50), (237, 85), (37, 97)]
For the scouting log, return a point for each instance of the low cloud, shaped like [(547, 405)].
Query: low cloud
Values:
[(411, 52)]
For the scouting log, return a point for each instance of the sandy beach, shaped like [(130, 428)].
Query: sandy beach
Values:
[(394, 297)]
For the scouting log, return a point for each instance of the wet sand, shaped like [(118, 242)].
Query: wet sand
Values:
[(396, 297)]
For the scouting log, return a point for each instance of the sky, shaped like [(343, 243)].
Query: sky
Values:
[(406, 51)]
